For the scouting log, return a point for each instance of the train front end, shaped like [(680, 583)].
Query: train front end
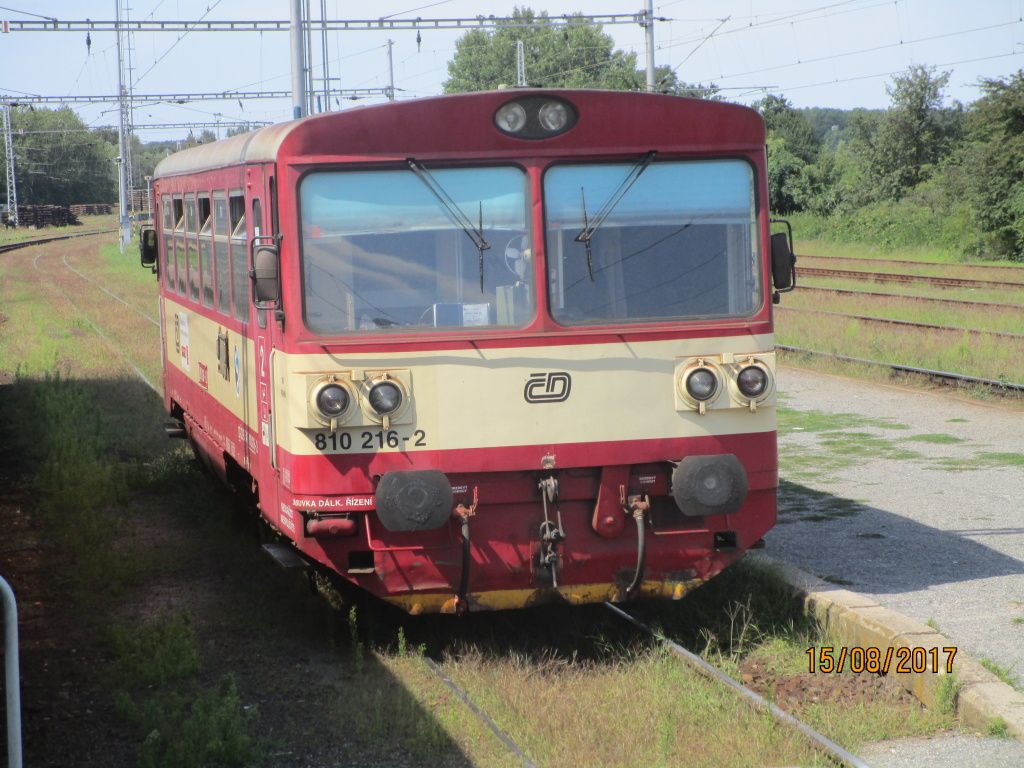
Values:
[(524, 350)]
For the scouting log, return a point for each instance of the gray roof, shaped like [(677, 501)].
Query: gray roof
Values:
[(254, 147)]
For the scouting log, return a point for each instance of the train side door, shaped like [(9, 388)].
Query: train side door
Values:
[(264, 333)]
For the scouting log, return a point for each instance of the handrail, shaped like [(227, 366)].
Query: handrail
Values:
[(12, 675)]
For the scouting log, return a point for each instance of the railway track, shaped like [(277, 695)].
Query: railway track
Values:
[(943, 377), (904, 323), (822, 743), (1019, 270), (875, 294), (890, 277), (6, 247)]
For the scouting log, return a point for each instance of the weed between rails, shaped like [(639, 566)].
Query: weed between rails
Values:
[(158, 690)]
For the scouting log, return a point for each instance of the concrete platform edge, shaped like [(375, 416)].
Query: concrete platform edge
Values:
[(982, 699)]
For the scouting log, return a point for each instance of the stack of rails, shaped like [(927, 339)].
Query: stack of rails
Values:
[(92, 209), (44, 216)]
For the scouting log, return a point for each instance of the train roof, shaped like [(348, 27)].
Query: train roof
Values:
[(419, 126)]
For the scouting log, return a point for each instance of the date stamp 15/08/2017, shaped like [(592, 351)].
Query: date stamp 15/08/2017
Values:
[(828, 659)]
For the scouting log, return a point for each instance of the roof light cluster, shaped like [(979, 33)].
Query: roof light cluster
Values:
[(535, 117)]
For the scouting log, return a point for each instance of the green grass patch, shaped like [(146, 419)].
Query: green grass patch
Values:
[(1000, 459), (957, 421), (1002, 672), (936, 437), (998, 728), (810, 420), (181, 721)]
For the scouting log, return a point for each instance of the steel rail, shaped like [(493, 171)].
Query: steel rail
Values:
[(863, 260), (891, 277), (963, 302), (944, 376), (117, 350), (821, 741), (5, 247), (480, 713), (904, 323)]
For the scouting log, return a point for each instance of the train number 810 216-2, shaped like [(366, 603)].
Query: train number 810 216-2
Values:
[(367, 440)]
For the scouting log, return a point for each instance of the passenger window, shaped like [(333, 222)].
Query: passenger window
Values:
[(179, 243), (206, 250), (239, 258), (190, 247), (222, 262)]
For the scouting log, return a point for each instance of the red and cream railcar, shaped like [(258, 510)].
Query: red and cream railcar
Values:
[(480, 351)]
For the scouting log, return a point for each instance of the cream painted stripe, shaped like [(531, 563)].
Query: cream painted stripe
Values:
[(469, 399), (238, 397)]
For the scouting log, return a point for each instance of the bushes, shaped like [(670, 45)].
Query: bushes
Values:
[(902, 224)]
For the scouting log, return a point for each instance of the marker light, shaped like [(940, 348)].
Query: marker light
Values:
[(332, 400), (511, 117), (702, 384), (385, 397), (752, 381)]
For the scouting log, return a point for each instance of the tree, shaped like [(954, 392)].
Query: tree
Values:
[(784, 122), (578, 55), (994, 160), (913, 135), (59, 161), (667, 81)]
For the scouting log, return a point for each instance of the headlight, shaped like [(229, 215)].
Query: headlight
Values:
[(553, 116), (702, 384), (752, 381), (511, 118), (332, 400), (385, 397)]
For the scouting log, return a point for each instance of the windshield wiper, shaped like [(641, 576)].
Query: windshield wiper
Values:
[(476, 234), (587, 233)]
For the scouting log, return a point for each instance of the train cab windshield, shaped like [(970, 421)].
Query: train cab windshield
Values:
[(680, 243), (382, 250)]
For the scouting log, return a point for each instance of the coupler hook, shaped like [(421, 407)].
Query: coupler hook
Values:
[(551, 534)]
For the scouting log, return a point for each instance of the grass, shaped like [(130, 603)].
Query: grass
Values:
[(938, 438), (913, 290), (889, 265), (746, 622), (983, 356), (927, 253), (1005, 674), (928, 311), (998, 728)]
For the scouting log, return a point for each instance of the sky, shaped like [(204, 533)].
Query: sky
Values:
[(829, 53)]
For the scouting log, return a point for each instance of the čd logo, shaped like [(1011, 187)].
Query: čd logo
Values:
[(547, 387)]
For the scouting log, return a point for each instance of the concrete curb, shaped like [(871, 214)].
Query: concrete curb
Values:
[(858, 620)]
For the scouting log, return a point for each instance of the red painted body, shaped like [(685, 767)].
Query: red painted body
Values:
[(301, 494)]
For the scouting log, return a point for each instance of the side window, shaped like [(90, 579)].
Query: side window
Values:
[(191, 233), (206, 250), (222, 264), (167, 241), (239, 257), (179, 243)]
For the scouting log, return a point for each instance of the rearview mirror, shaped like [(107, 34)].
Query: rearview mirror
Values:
[(147, 247), (783, 262), (266, 277)]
